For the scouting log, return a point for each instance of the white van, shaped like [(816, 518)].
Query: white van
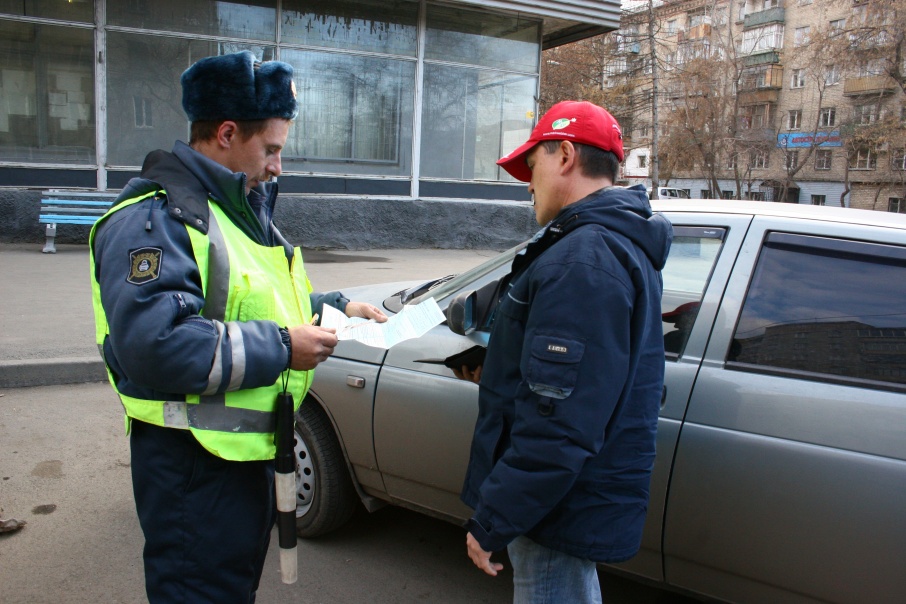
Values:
[(670, 193)]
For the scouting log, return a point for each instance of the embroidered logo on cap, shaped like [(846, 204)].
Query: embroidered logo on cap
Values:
[(145, 265), (562, 123)]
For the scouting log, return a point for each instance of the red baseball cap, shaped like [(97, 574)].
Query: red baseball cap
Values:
[(576, 121), (679, 311)]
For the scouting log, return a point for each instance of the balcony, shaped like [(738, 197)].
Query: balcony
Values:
[(876, 84), (762, 58), (699, 31), (766, 135), (757, 97), (762, 78), (763, 17)]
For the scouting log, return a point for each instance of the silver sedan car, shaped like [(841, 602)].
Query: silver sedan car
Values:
[(781, 448)]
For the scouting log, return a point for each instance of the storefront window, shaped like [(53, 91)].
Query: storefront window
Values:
[(355, 114), (479, 38), (471, 118), (355, 72), (244, 19), (47, 93), (386, 26), (81, 11), (144, 96)]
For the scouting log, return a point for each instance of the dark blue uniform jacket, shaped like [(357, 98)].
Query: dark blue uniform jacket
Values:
[(571, 387), (160, 347)]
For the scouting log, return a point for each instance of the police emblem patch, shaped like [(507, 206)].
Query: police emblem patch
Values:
[(144, 265)]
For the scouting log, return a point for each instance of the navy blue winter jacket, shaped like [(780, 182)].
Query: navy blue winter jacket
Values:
[(571, 386)]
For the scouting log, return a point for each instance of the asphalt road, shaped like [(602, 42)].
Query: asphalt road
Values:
[(64, 469)]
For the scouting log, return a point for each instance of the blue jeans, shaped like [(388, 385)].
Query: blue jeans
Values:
[(545, 576)]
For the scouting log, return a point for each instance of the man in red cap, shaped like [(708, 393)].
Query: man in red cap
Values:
[(571, 386)]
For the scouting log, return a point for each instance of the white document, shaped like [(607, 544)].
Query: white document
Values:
[(411, 322)]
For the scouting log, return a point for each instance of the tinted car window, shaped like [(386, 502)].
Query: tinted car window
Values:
[(825, 307), (692, 256)]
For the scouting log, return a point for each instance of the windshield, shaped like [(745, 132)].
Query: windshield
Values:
[(471, 276)]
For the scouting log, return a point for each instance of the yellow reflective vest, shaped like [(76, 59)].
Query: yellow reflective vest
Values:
[(242, 281)]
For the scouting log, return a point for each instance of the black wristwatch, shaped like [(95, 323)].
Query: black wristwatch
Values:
[(288, 342)]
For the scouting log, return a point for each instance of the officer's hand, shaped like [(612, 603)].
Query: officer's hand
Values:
[(365, 310), (311, 345), (470, 375)]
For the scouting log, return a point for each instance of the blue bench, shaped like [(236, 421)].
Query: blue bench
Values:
[(64, 207)]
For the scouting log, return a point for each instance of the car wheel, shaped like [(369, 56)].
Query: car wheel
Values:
[(325, 497)]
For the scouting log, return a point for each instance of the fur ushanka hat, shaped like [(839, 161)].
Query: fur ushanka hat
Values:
[(238, 87)]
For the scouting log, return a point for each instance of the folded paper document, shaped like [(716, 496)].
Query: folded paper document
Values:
[(412, 322)]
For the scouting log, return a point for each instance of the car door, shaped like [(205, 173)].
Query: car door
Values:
[(701, 258), (423, 422), (424, 416), (790, 471)]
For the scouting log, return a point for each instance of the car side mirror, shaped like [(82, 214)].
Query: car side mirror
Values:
[(460, 313)]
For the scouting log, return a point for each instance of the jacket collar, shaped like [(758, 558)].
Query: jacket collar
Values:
[(190, 178)]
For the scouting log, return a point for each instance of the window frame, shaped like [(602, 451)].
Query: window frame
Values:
[(864, 158), (794, 119), (758, 159), (801, 35), (866, 114), (111, 165), (835, 241), (898, 159), (721, 230), (790, 159)]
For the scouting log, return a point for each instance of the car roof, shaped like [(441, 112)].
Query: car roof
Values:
[(782, 210)]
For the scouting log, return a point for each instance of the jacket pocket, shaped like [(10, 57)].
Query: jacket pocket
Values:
[(255, 298), (553, 367)]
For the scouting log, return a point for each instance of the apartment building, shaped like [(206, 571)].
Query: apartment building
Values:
[(798, 101)]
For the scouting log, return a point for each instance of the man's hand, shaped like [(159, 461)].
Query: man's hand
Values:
[(470, 375), (481, 558), (365, 310), (311, 345)]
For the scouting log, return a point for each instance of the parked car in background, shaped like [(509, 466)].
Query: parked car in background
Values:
[(670, 193), (781, 447)]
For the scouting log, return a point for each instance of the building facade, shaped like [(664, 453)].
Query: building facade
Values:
[(782, 100), (404, 105)]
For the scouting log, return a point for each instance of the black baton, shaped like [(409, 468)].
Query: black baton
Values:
[(285, 485)]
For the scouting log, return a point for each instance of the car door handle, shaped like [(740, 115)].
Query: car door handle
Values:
[(664, 396), (355, 381)]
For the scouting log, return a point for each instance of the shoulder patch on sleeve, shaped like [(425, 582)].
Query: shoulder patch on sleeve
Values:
[(144, 265)]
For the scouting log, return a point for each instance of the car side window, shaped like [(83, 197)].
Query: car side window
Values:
[(689, 266), (824, 308)]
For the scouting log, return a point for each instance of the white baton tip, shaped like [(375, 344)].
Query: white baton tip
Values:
[(289, 566)]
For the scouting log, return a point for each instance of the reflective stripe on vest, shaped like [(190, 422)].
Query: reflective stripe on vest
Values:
[(258, 284)]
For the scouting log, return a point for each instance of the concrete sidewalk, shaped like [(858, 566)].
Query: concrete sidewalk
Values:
[(47, 323)]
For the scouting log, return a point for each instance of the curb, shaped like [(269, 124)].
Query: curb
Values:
[(51, 372)]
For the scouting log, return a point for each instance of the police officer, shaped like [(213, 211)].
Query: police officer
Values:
[(203, 315)]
